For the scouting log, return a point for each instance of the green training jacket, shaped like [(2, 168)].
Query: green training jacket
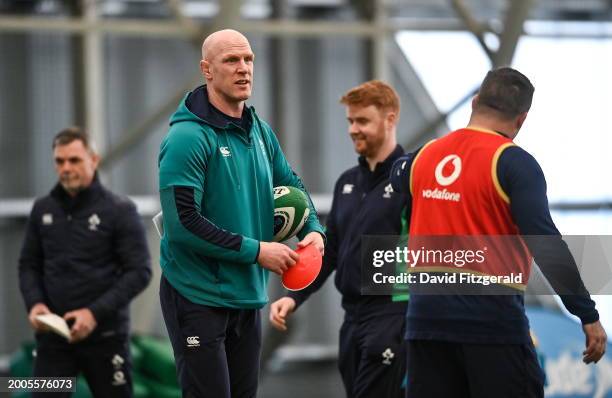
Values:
[(232, 173)]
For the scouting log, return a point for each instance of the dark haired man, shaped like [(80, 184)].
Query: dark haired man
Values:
[(84, 258), (479, 345)]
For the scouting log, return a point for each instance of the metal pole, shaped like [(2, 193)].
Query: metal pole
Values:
[(133, 135), (192, 29), (229, 15), (516, 14), (430, 128), (136, 27), (472, 25), (93, 68), (379, 42)]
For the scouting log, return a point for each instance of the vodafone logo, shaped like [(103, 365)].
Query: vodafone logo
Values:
[(447, 172), (443, 167)]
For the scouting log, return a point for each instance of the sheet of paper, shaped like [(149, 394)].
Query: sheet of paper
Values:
[(158, 221), (55, 323)]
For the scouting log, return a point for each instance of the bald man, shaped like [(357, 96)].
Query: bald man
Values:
[(217, 167)]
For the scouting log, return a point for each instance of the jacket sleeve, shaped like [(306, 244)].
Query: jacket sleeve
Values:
[(283, 174), (31, 264), (400, 173), (182, 172), (523, 181), (329, 259), (132, 253)]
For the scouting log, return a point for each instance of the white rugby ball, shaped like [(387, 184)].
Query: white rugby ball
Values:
[(290, 212)]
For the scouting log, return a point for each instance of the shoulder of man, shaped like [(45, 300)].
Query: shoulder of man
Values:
[(346, 181), (267, 133), (118, 199), (516, 152), (192, 136), (515, 160), (119, 204), (262, 125), (41, 204), (348, 174), (191, 130)]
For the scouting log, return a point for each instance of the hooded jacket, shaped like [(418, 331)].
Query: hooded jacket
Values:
[(215, 182)]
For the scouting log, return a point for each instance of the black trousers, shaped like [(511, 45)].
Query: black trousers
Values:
[(217, 350), (105, 363), (438, 369), (372, 358)]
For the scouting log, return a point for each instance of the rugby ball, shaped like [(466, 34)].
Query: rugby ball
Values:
[(290, 212)]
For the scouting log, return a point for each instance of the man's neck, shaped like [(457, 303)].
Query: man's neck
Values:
[(492, 124), (233, 109), (382, 154), (73, 192)]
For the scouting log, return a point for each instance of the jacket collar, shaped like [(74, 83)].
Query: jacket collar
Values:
[(198, 103), (383, 167), (91, 192)]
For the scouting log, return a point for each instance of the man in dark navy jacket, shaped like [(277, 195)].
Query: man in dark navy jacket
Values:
[(84, 258), (371, 359)]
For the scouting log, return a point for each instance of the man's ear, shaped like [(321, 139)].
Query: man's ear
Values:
[(474, 102), (205, 69), (95, 159), (391, 118)]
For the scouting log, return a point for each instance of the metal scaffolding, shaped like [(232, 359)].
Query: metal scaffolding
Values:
[(376, 28)]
